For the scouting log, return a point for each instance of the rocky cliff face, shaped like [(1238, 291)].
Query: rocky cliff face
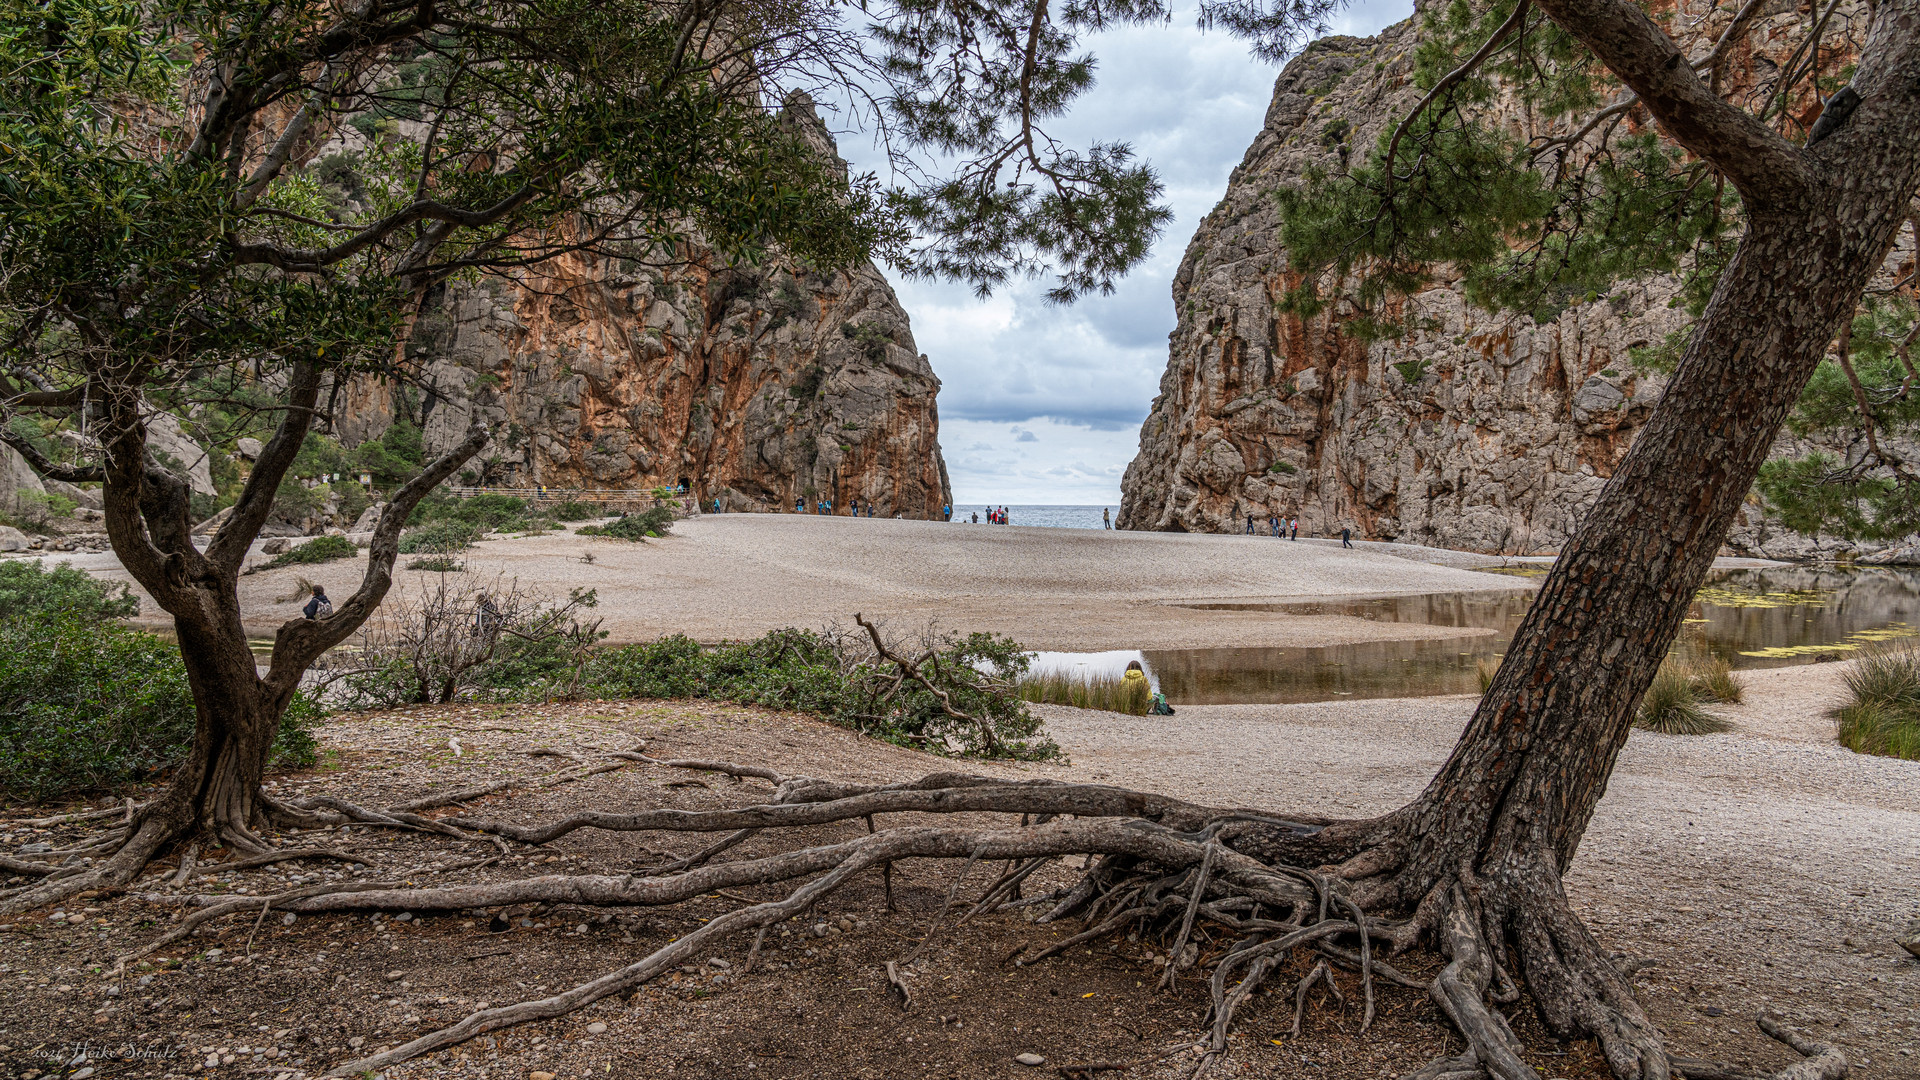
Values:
[(1489, 433), (753, 385)]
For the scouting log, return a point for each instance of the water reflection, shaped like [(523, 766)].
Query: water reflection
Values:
[(1753, 618)]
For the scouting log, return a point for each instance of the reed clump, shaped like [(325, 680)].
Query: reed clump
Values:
[(1084, 690), (1883, 716), (1671, 705), (1712, 679)]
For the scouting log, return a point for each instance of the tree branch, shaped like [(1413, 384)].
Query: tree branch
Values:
[(229, 547), (299, 641), (1764, 167), (1452, 78)]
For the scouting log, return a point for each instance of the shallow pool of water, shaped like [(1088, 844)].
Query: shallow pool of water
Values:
[(1753, 618)]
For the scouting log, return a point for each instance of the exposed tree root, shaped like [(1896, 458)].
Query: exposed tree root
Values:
[(1157, 867)]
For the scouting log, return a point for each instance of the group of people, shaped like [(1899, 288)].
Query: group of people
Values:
[(1289, 529), (996, 515), (1283, 528)]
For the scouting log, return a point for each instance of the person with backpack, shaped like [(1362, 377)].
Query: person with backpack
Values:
[(319, 607), (1346, 536)]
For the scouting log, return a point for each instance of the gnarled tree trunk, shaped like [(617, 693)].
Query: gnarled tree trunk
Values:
[(238, 712)]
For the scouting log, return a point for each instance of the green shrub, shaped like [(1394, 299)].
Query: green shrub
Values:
[(1107, 692), (92, 706), (1670, 708), (573, 510), (37, 509), (317, 550), (1883, 716), (26, 588), (656, 522), (439, 538), (844, 682)]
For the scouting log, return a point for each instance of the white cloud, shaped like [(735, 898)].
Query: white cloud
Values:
[(1048, 462), (1082, 377)]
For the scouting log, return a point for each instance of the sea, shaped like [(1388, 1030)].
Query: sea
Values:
[(1048, 517)]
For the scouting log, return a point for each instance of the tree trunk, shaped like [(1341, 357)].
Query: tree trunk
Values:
[(1500, 823), (237, 718)]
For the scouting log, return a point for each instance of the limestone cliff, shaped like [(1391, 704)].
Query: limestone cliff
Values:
[(1490, 433), (754, 385)]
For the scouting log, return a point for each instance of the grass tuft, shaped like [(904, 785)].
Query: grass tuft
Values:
[(1671, 708), (1109, 693), (1884, 716), (1712, 679)]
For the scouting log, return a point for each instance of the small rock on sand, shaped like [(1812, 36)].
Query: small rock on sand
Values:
[(596, 1028), (1030, 1059), (1910, 940)]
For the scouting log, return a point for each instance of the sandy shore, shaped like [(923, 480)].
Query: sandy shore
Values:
[(1765, 868), (741, 575)]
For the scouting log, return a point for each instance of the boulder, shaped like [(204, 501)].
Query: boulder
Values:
[(248, 448), (1910, 940), (12, 539), (165, 436), (368, 519), (16, 476), (87, 498)]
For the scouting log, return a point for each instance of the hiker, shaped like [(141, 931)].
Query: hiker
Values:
[(1136, 676), (1249, 524), (1106, 517), (1273, 522), (1294, 525), (319, 607), (946, 512), (1346, 536)]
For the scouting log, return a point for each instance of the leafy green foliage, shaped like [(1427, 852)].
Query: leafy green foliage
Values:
[(440, 538), (92, 706), (317, 550), (801, 670), (37, 509), (573, 510), (1866, 496), (26, 588), (655, 522)]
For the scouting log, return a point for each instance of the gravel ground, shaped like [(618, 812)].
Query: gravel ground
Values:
[(1764, 868), (1761, 869)]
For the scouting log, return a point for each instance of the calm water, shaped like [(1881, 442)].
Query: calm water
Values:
[(1754, 618), (1050, 517)]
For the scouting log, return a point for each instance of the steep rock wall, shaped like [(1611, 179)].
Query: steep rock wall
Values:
[(1476, 431), (753, 385)]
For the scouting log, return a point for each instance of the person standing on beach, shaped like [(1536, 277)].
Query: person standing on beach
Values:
[(1346, 536), (1106, 517), (1273, 522), (1294, 529), (1249, 524)]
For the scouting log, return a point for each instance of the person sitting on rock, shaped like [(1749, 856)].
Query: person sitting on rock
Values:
[(319, 607)]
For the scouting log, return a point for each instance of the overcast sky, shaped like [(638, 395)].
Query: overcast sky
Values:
[(1044, 404)]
